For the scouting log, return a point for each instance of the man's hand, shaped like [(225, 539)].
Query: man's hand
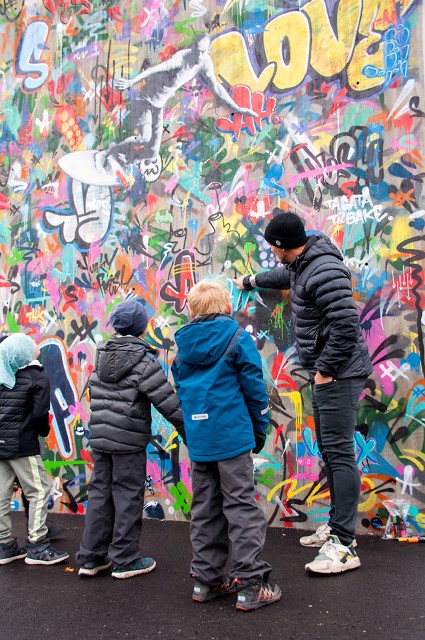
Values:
[(319, 379), (238, 282), (122, 84)]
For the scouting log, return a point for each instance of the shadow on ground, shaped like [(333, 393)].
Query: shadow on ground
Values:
[(383, 599)]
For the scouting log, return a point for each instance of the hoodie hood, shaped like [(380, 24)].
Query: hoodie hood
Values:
[(202, 343), (16, 352), (117, 357)]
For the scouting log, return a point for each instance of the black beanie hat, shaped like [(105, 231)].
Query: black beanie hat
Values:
[(285, 230), (129, 318)]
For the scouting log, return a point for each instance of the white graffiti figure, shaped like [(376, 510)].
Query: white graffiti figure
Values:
[(87, 221), (90, 219), (160, 83)]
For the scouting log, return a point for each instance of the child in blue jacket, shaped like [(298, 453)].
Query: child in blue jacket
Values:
[(219, 382)]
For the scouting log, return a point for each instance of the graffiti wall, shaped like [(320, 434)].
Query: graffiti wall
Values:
[(144, 146)]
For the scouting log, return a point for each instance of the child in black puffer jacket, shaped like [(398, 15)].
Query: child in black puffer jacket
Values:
[(126, 381), (24, 416)]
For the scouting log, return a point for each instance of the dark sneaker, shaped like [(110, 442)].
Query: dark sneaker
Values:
[(255, 594), (44, 553), (93, 567), (10, 551), (205, 592), (142, 565)]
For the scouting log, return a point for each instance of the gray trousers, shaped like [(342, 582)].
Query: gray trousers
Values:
[(334, 408), (224, 511), (36, 487), (113, 520)]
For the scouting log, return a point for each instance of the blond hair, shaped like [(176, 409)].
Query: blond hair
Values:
[(208, 296)]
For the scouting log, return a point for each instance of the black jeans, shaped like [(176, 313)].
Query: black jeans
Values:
[(114, 510), (334, 409)]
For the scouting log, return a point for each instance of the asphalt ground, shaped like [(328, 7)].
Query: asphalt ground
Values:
[(384, 598)]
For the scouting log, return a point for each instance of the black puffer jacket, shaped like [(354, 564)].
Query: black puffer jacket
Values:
[(24, 413), (324, 314), (126, 380)]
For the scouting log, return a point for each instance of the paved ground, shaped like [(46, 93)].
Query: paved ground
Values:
[(383, 599)]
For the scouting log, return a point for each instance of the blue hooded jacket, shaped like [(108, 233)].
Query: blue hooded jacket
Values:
[(222, 395)]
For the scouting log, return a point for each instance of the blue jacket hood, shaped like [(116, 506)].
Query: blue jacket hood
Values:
[(220, 385), (201, 344)]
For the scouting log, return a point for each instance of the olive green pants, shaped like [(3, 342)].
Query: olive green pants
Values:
[(36, 487)]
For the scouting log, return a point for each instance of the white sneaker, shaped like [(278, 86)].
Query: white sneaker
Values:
[(334, 557), (318, 538)]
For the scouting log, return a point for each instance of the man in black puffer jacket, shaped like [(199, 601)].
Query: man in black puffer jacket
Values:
[(126, 381), (332, 349)]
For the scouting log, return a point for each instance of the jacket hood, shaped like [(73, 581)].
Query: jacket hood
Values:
[(317, 246), (116, 358), (203, 343)]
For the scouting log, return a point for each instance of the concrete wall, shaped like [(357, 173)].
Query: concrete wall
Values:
[(338, 137)]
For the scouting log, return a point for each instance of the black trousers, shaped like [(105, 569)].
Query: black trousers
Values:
[(115, 507), (334, 408)]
